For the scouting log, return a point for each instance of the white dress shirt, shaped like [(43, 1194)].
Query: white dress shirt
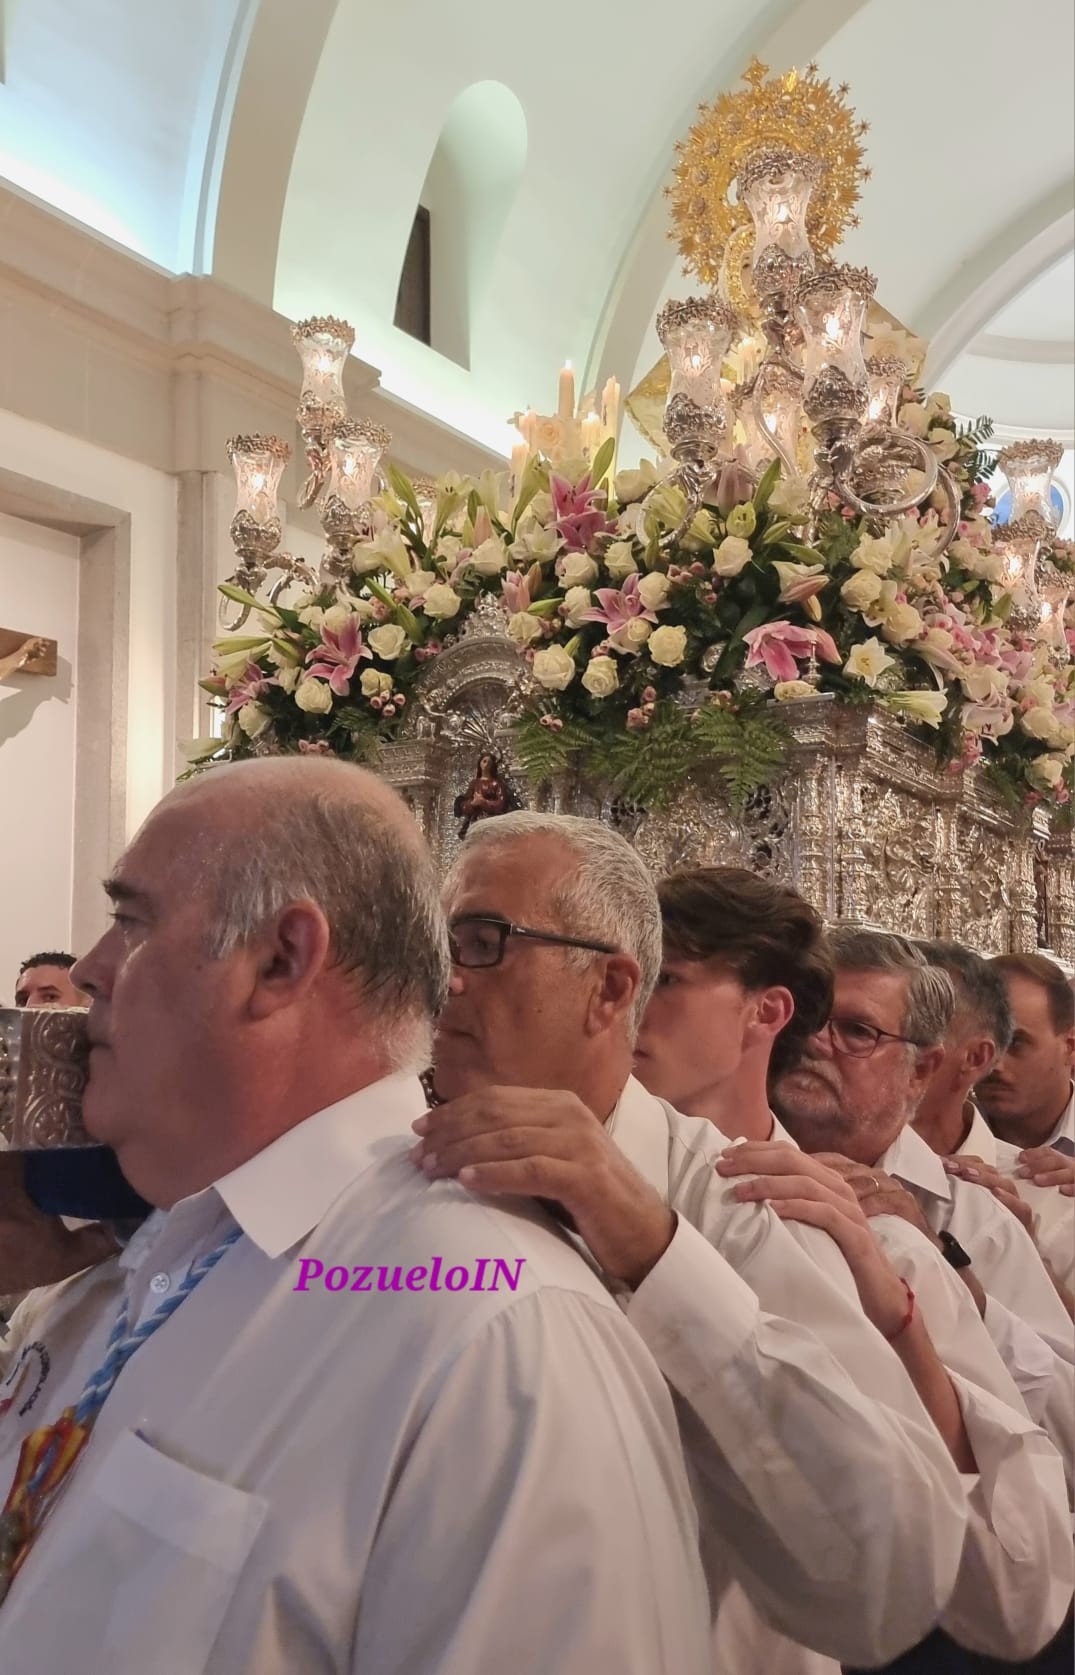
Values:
[(1024, 1316), (407, 1482), (1018, 1568), (799, 1421), (1054, 1214)]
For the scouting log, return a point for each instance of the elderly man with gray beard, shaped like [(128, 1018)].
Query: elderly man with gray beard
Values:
[(800, 1421), (215, 1467)]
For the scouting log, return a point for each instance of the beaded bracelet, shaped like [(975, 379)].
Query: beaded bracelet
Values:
[(908, 1317)]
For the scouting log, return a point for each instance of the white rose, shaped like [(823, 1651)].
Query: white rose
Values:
[(313, 616), (375, 683), (877, 553), (419, 582), (913, 418), (1042, 724), (632, 485), (288, 679), (577, 600), (253, 719), (790, 499), (576, 570), (668, 646), (731, 556), (387, 641), (943, 442), (442, 601), (1046, 772), (653, 590), (490, 558), (541, 507), (314, 697), (902, 623), (861, 591), (982, 682), (631, 521), (1040, 692), (600, 678), (785, 690), (336, 618), (633, 635), (553, 668), (523, 628), (448, 549), (620, 561)]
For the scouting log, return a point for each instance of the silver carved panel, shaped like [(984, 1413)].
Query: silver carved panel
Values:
[(43, 1068), (862, 820)]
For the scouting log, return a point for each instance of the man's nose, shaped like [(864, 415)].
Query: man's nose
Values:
[(89, 973), (457, 982), (820, 1044)]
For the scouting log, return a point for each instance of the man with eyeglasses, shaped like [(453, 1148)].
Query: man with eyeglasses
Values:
[(798, 1420), (746, 984)]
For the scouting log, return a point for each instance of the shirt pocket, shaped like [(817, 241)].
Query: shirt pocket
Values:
[(141, 1567)]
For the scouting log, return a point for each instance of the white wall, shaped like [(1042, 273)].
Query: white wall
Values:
[(39, 593), (149, 498)]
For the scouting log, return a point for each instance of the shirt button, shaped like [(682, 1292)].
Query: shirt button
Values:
[(160, 1283)]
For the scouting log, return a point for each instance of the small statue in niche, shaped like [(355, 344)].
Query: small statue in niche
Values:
[(485, 796)]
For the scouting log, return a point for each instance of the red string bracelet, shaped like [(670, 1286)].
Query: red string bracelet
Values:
[(908, 1317)]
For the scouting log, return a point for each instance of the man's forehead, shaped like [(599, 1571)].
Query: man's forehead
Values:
[(872, 988), (529, 867), (1029, 1001)]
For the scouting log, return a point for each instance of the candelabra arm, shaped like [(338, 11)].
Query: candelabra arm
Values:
[(892, 508), (787, 460)]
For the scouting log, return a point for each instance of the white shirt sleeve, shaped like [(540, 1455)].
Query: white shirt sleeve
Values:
[(798, 1426), (1018, 1568), (1043, 1376), (542, 1523)]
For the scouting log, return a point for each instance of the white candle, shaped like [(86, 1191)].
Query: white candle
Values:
[(591, 435), (610, 405), (566, 406), (520, 454)]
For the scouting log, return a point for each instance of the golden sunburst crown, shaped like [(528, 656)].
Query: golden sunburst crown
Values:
[(798, 110)]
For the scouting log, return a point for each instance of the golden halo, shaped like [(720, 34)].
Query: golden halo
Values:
[(794, 110)]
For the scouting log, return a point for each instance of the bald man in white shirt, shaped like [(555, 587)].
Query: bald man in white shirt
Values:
[(799, 1419), (337, 1419)]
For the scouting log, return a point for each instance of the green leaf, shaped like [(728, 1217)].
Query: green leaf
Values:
[(602, 461), (403, 489), (535, 478), (766, 486), (240, 596), (750, 619)]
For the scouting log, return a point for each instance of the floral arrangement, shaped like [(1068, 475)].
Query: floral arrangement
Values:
[(653, 640)]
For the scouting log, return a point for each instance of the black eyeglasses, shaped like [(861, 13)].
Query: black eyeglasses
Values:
[(480, 941), (859, 1040)]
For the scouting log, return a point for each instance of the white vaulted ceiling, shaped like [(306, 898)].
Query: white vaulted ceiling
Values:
[(284, 147)]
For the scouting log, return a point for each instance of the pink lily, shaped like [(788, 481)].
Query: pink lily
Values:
[(619, 606), (250, 685), (338, 656), (579, 517), (515, 592), (780, 644)]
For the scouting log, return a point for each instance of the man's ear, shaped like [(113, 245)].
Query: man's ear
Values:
[(928, 1061), (614, 996), (979, 1057), (773, 1011), (291, 956)]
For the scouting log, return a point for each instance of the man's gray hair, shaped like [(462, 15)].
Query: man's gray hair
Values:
[(981, 992), (378, 890), (930, 1000), (609, 896)]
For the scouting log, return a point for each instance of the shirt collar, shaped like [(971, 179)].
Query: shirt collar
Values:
[(639, 1127), (1063, 1135), (910, 1160), (981, 1141), (282, 1192)]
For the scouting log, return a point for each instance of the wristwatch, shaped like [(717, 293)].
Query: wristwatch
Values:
[(953, 1251)]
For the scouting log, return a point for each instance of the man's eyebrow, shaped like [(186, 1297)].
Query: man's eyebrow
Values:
[(118, 890)]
